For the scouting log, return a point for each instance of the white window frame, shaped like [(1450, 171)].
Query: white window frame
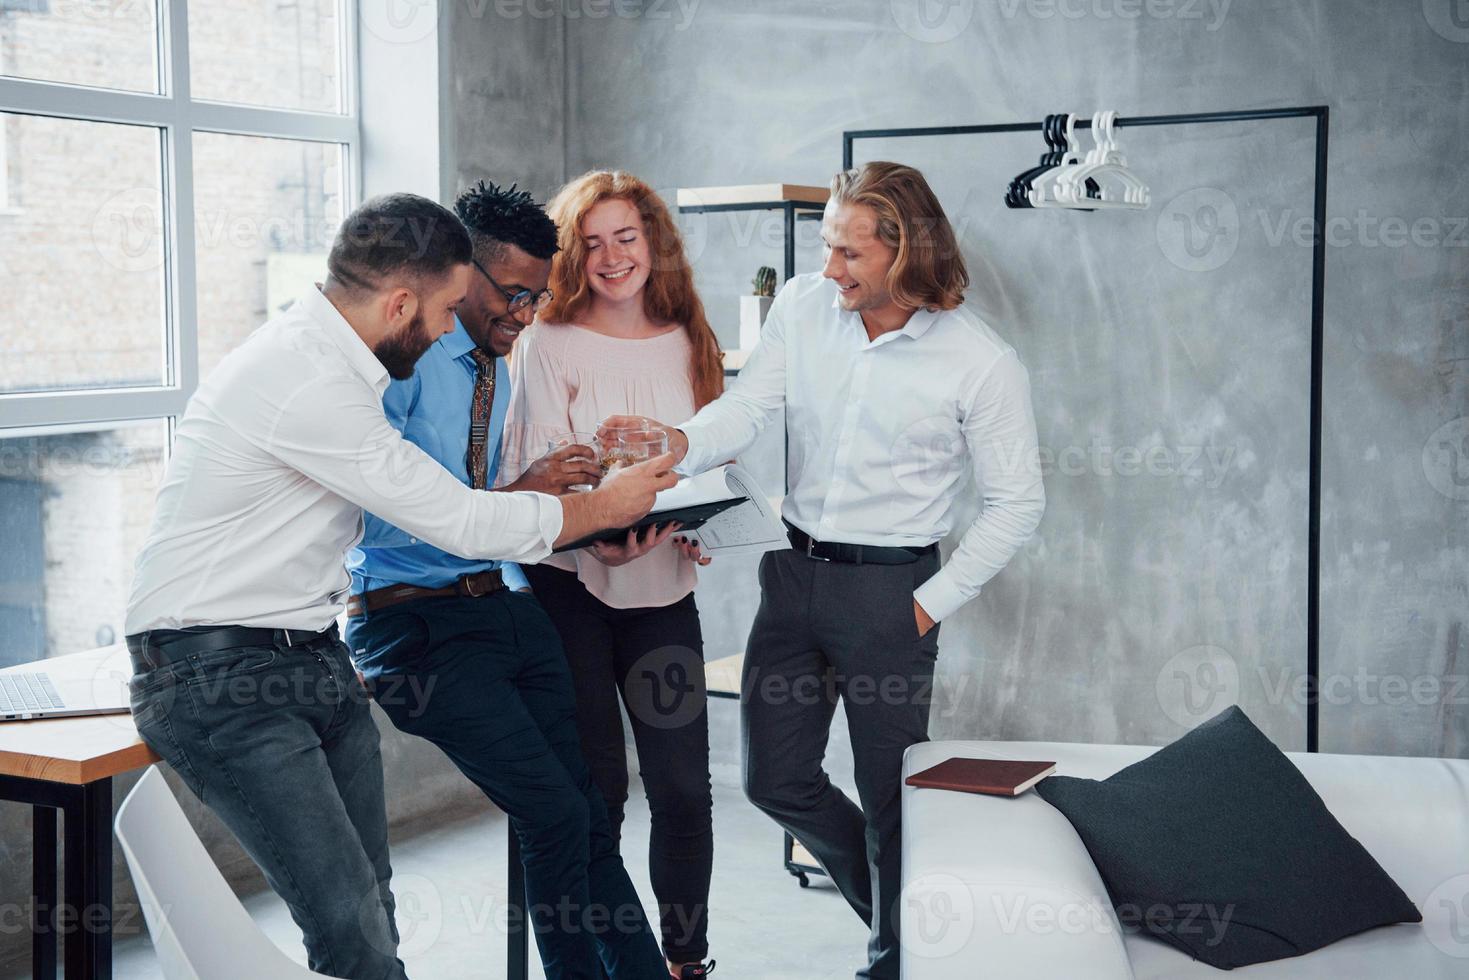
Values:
[(5, 207), (178, 117)]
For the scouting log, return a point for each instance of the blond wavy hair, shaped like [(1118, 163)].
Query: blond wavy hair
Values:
[(928, 271)]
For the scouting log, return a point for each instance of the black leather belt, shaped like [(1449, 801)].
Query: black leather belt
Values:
[(475, 586), (856, 554), (160, 647)]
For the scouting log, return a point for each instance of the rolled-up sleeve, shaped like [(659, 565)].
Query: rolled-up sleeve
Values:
[(334, 432), (999, 431)]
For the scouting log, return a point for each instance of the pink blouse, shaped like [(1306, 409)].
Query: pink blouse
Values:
[(567, 378)]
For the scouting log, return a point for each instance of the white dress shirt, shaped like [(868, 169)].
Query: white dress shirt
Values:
[(883, 432), (274, 460)]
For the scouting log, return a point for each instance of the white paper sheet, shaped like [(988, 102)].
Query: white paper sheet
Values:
[(750, 528)]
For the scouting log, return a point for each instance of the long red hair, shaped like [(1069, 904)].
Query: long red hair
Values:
[(668, 297)]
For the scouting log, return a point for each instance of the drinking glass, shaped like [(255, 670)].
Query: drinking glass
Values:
[(586, 439), (642, 444), (613, 452)]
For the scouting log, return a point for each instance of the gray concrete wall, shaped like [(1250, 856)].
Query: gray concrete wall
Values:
[(1159, 586), (1168, 349), (504, 85)]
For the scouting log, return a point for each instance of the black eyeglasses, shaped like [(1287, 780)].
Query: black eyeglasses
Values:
[(517, 300)]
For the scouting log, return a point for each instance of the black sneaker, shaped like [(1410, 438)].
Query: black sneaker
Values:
[(692, 971)]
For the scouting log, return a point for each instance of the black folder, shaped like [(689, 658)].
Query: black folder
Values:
[(690, 517)]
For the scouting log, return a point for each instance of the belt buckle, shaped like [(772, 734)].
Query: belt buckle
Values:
[(468, 582), (810, 546), (287, 634)]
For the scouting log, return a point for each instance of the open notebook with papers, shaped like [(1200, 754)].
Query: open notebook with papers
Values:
[(723, 510)]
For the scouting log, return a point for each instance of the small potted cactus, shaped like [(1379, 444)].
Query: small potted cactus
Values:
[(753, 308)]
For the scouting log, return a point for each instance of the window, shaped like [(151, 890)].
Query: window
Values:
[(6, 208), (74, 509), (171, 174), (264, 52), (265, 211), (83, 261), (110, 45)]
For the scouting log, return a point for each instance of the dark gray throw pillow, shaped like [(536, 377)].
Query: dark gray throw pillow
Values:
[(1218, 845)]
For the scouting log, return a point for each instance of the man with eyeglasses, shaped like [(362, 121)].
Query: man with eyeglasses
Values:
[(456, 650)]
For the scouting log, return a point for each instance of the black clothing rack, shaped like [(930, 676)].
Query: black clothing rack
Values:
[(1322, 115)]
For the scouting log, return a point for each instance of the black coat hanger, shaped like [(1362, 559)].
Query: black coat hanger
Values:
[(1017, 195)]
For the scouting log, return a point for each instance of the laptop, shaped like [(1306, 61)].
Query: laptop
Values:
[(30, 694)]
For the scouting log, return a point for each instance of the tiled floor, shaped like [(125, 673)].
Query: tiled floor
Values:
[(450, 886)]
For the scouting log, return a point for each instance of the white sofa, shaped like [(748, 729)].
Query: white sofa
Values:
[(998, 887)]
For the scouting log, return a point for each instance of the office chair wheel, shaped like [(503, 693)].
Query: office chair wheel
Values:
[(805, 882)]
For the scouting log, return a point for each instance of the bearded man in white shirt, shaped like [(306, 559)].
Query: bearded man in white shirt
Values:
[(240, 681), (895, 393)]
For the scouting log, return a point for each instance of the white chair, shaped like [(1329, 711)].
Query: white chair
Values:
[(200, 930)]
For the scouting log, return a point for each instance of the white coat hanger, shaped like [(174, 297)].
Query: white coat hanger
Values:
[(1118, 187), (1044, 190)]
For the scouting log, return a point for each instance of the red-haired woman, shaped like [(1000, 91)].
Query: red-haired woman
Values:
[(625, 334)]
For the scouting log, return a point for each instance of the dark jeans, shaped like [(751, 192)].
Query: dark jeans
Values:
[(829, 629), (654, 656), (279, 743), (485, 680)]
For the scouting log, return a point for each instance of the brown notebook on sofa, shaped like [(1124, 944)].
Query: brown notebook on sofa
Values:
[(996, 777)]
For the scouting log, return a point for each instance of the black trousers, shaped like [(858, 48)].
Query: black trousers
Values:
[(485, 681), (829, 630), (653, 657)]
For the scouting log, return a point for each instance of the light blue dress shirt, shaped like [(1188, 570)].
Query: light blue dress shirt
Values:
[(431, 409)]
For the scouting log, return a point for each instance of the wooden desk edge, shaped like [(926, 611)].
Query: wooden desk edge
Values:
[(77, 772)]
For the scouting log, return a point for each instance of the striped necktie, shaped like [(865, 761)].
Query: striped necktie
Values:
[(476, 461)]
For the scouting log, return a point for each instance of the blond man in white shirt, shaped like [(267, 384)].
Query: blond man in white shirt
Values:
[(895, 395), (240, 681)]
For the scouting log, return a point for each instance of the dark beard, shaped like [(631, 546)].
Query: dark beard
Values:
[(401, 351)]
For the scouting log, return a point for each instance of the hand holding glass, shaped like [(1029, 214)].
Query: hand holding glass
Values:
[(582, 441)]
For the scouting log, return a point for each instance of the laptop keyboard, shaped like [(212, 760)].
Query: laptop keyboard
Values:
[(22, 692)]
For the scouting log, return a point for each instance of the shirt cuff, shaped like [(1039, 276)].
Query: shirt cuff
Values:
[(940, 597), (552, 519), (696, 460)]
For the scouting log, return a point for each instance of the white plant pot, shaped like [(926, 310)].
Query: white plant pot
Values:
[(752, 317)]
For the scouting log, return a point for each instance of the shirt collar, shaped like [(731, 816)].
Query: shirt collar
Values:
[(458, 343), (918, 324), (357, 353)]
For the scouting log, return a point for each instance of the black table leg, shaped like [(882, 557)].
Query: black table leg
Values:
[(84, 914), (43, 892), (88, 943), (517, 957)]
